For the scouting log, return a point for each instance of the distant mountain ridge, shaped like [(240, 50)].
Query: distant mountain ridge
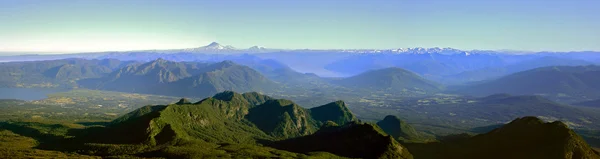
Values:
[(164, 77), (55, 73), (553, 82), (431, 63), (390, 80), (590, 103), (496, 72)]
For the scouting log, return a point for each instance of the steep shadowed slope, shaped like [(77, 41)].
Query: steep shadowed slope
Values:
[(282, 118), (336, 112), (355, 140), (525, 138), (398, 129)]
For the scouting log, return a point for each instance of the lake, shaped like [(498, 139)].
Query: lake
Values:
[(28, 93)]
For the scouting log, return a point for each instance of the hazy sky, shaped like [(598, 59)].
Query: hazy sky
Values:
[(94, 25)]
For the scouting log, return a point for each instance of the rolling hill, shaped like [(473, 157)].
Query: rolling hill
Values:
[(390, 80), (563, 83), (496, 72)]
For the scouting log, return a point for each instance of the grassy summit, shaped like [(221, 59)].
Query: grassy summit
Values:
[(226, 117)]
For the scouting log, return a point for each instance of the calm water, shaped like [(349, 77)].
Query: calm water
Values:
[(28, 93)]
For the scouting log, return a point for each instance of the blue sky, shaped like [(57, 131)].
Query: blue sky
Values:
[(81, 25)]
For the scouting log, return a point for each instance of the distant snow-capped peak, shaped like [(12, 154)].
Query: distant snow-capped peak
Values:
[(256, 48), (416, 50), (217, 46), (212, 47)]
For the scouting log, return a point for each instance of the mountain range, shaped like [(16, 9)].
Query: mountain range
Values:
[(232, 125), (497, 72), (432, 63), (556, 82), (55, 73), (202, 79), (164, 77)]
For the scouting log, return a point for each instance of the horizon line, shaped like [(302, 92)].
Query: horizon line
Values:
[(33, 52)]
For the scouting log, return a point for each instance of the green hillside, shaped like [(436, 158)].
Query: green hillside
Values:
[(226, 117), (282, 118)]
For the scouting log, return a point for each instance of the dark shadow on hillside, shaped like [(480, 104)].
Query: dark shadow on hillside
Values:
[(593, 141), (453, 138), (97, 141), (47, 140), (265, 142), (93, 123), (485, 129)]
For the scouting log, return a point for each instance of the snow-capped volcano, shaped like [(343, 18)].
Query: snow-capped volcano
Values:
[(217, 46), (213, 47)]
